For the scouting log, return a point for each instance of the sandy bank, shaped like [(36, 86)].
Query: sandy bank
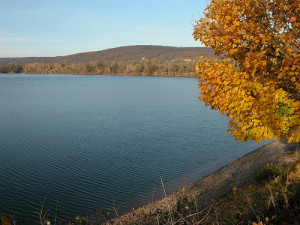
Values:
[(216, 184)]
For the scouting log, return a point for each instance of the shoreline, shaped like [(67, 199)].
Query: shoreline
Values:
[(184, 180), (120, 75), (214, 185)]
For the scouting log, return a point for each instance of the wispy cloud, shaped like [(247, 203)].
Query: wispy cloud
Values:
[(23, 39), (12, 47), (13, 39), (7, 36)]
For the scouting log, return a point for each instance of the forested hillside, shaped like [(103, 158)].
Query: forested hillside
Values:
[(130, 60)]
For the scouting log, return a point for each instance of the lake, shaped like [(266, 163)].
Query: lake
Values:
[(87, 142)]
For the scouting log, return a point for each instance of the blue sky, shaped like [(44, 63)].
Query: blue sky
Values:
[(63, 27)]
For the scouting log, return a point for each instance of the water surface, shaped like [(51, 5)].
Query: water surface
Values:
[(89, 141)]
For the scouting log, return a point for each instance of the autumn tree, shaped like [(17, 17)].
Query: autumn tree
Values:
[(257, 83)]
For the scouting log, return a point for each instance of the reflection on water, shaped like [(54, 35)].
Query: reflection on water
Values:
[(86, 140)]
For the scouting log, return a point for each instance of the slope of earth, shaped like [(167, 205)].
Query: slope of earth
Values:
[(126, 53), (213, 186)]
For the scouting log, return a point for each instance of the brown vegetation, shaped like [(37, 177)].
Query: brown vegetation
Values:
[(131, 60), (143, 67)]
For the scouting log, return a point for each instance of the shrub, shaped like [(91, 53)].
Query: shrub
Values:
[(269, 172)]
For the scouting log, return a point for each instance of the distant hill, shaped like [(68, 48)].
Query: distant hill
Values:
[(124, 54), (139, 60)]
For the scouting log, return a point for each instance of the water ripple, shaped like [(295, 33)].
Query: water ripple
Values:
[(89, 141)]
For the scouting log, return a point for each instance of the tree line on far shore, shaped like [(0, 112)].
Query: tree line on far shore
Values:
[(142, 67)]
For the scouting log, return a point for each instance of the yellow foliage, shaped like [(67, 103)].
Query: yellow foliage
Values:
[(259, 89), (4, 220), (260, 223)]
